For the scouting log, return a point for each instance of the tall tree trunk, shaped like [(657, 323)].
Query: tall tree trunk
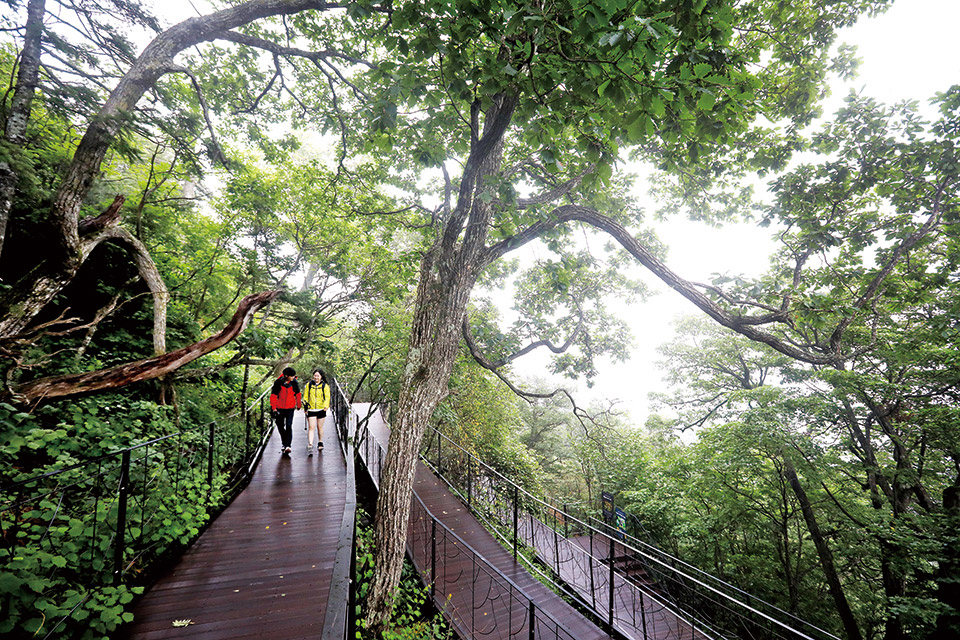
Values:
[(448, 273), (15, 128), (434, 346), (824, 554), (948, 574)]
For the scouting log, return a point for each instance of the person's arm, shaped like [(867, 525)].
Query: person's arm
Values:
[(274, 398)]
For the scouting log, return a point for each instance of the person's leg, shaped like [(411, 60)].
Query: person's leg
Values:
[(281, 424), (286, 430), (320, 431), (311, 426)]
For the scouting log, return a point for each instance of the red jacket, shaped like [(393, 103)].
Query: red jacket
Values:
[(285, 395)]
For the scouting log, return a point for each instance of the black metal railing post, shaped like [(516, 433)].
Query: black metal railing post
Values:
[(556, 546), (533, 624), (119, 542), (516, 518), (643, 616), (210, 460), (469, 485), (610, 606), (433, 553), (246, 435), (593, 586)]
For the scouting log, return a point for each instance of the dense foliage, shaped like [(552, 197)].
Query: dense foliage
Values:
[(458, 133)]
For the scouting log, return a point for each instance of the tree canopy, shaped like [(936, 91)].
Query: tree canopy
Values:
[(459, 133)]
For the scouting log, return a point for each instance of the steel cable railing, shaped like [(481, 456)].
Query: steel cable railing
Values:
[(495, 606), (672, 602), (96, 527)]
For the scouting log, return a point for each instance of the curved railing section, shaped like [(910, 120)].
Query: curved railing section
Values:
[(668, 599), (498, 607), (340, 620), (100, 525)]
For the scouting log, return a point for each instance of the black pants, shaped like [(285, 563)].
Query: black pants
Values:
[(285, 426)]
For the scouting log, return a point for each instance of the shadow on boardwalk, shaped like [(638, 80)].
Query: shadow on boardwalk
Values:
[(262, 569)]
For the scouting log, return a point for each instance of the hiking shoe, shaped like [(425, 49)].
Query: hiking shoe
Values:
[(286, 451), (309, 450), (319, 446)]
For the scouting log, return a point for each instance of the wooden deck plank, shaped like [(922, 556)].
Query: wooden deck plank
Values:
[(262, 569)]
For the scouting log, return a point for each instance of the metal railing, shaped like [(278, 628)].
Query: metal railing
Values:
[(102, 523), (635, 588), (340, 618), (444, 559)]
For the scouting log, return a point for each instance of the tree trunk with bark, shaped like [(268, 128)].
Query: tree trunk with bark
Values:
[(824, 554), (64, 255), (448, 273), (16, 125)]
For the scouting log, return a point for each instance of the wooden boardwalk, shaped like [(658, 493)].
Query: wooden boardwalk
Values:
[(474, 595), (262, 569)]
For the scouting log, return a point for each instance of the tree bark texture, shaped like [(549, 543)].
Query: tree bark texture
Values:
[(15, 128), (448, 273), (147, 369), (824, 554)]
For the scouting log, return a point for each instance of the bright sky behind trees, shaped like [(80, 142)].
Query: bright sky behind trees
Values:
[(910, 52)]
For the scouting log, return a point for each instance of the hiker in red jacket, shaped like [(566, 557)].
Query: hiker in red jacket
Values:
[(284, 399)]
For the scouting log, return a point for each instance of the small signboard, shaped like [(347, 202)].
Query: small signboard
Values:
[(606, 506), (621, 522)]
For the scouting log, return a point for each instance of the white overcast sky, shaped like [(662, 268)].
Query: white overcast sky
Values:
[(910, 52)]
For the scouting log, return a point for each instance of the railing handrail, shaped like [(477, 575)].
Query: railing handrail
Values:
[(668, 567), (98, 574), (656, 598), (464, 544)]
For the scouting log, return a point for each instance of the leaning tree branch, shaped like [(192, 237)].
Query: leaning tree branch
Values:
[(45, 389), (281, 50), (908, 243), (217, 149), (468, 336), (555, 193), (737, 322), (582, 416)]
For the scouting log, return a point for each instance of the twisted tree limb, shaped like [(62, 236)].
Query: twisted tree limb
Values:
[(120, 376)]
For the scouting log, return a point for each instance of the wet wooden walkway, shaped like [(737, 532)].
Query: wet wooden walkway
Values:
[(262, 569), (474, 595)]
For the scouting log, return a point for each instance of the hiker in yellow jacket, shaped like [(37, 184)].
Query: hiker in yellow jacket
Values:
[(316, 401)]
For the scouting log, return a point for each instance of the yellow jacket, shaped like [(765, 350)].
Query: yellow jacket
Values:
[(316, 396)]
